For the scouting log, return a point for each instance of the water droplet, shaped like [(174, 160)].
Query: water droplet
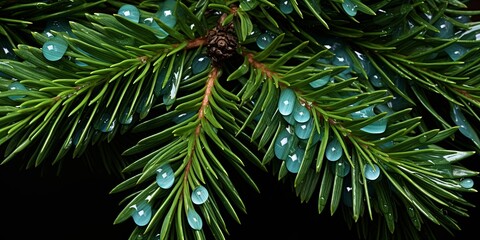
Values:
[(142, 214), (103, 124), (182, 117), (200, 63), (130, 12), (57, 25), (464, 126), (263, 40), (14, 86), (342, 168), (320, 82), (166, 13), (456, 51), (194, 220), (125, 117), (156, 29), (334, 150), (199, 195), (283, 143), (303, 130), (6, 49), (286, 101), (301, 113), (371, 173), (376, 80), (350, 7), (466, 183), (285, 6), (54, 48), (445, 28), (165, 176), (294, 160)]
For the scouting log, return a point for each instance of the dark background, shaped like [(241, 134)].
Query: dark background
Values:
[(76, 205)]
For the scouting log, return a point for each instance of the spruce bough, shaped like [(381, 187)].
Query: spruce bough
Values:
[(366, 108)]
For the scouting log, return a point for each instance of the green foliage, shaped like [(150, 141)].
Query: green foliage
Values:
[(391, 85)]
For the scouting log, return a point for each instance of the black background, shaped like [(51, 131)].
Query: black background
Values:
[(76, 205)]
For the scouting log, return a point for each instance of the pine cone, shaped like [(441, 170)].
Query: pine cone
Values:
[(221, 43)]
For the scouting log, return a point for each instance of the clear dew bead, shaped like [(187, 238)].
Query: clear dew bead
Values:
[(165, 176), (263, 40), (194, 220), (142, 213), (303, 130), (444, 27), (300, 113), (200, 63), (334, 150), (14, 86), (156, 29), (466, 183), (371, 173), (456, 51), (54, 48), (284, 143), (104, 123), (285, 6), (58, 25), (199, 195), (342, 168), (294, 160), (166, 13), (286, 101), (350, 7), (130, 12), (320, 82), (464, 125)]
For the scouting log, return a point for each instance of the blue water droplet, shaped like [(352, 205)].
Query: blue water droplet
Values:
[(363, 113), (54, 48), (342, 168), (294, 160), (285, 6), (371, 173), (6, 49), (303, 130), (334, 150), (286, 101), (456, 51), (199, 195), (14, 86), (464, 125), (130, 12), (376, 80), (445, 28), (166, 13), (263, 40), (194, 220), (200, 63), (350, 7), (103, 123), (320, 82), (301, 113), (165, 176), (125, 117), (283, 143), (466, 183), (159, 32), (376, 127), (142, 213)]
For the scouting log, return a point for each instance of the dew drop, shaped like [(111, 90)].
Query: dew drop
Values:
[(350, 7), (286, 101), (54, 48), (294, 160), (283, 144), (285, 6), (199, 195), (371, 173), (14, 86), (334, 150), (200, 63), (303, 130), (320, 82), (466, 183), (166, 13), (263, 40), (194, 220), (456, 51), (300, 113), (130, 12), (142, 214), (165, 176)]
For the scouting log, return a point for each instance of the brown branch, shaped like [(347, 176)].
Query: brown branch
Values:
[(258, 65)]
